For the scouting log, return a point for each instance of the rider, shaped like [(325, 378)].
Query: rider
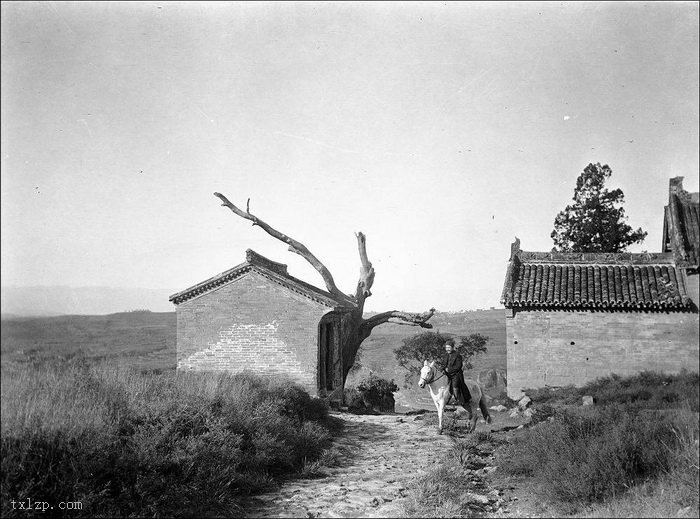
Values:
[(452, 367)]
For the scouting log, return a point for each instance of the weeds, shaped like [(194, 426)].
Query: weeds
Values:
[(124, 443), (443, 492), (640, 438), (648, 390)]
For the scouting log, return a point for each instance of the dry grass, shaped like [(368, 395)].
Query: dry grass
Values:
[(633, 454), (125, 443), (674, 493)]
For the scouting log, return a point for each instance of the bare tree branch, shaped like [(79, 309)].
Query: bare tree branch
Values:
[(354, 328), (364, 284), (397, 317), (294, 245)]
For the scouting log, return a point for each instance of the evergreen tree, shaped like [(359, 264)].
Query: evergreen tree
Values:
[(596, 221)]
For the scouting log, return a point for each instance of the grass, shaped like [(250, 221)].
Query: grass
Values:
[(140, 339), (649, 390), (172, 444), (634, 454), (450, 488), (617, 458)]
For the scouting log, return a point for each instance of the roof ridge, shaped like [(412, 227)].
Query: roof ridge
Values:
[(264, 266), (608, 258)]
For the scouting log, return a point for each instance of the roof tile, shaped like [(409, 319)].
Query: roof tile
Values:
[(613, 281)]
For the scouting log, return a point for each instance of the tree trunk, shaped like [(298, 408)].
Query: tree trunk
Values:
[(355, 329)]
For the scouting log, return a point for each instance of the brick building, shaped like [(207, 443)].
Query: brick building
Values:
[(574, 317), (257, 317)]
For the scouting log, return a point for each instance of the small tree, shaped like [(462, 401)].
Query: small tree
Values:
[(595, 222), (431, 346)]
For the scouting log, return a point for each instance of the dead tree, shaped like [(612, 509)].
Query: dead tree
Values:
[(355, 328)]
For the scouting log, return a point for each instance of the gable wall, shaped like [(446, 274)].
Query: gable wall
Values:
[(252, 323), (604, 342)]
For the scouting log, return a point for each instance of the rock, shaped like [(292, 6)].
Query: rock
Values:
[(460, 412), (418, 417), (498, 408), (524, 402), (515, 412), (519, 427), (587, 400), (477, 498), (529, 412)]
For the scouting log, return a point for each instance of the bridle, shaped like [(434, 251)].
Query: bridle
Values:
[(432, 378)]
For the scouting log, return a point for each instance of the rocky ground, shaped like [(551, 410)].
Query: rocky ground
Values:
[(380, 456)]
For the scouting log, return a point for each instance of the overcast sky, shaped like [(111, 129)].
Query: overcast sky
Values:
[(441, 131)]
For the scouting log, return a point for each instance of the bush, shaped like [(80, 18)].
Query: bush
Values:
[(172, 444), (588, 454), (374, 389), (648, 389)]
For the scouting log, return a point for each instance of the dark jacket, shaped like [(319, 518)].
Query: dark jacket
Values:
[(452, 363)]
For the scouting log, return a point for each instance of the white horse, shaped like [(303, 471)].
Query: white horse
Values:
[(439, 386)]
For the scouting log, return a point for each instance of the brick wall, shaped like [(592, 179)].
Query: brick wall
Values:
[(566, 347), (251, 324)]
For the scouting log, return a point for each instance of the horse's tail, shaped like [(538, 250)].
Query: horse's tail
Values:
[(484, 409)]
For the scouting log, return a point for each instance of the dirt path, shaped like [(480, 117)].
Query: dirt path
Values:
[(381, 454)]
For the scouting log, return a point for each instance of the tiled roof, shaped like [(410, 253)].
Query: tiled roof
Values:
[(613, 281), (682, 225), (276, 272)]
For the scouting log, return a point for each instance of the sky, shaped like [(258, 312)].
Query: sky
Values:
[(440, 130)]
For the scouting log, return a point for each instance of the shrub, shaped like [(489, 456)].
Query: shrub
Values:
[(588, 454), (544, 413), (172, 444), (374, 389), (647, 389)]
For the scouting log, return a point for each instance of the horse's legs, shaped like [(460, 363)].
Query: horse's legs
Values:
[(484, 409), (473, 417), (470, 412), (440, 408)]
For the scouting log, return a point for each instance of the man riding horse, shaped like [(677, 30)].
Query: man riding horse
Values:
[(452, 367)]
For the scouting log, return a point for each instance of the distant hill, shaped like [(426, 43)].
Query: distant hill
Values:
[(144, 340), (59, 300)]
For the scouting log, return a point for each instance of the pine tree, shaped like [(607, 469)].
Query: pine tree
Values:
[(596, 221)]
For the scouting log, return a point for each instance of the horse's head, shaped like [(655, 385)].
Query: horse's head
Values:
[(427, 374)]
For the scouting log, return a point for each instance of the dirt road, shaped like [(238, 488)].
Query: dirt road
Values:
[(380, 456)]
